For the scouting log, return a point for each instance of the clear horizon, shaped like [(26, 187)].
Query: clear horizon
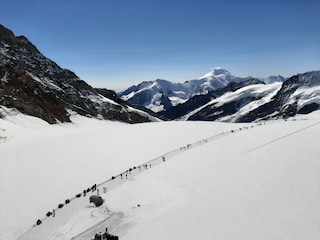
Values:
[(116, 44)]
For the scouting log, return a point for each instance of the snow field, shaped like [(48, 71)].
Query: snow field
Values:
[(260, 183)]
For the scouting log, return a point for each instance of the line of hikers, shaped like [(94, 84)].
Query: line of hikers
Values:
[(129, 171), (105, 189)]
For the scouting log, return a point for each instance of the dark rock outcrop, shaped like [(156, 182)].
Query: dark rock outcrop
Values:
[(37, 86)]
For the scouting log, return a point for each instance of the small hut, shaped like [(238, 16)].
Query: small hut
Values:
[(97, 200)]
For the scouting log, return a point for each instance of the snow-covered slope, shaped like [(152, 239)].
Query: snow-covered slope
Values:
[(298, 94), (233, 105), (308, 91), (248, 183), (198, 104)]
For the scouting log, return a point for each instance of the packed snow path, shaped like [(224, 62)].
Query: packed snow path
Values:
[(50, 224)]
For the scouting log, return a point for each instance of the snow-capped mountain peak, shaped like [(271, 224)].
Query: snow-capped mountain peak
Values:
[(216, 72)]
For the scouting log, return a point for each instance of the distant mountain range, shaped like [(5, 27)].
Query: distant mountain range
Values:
[(37, 86), (161, 95), (218, 95)]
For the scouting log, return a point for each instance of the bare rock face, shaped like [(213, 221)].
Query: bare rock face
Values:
[(20, 91), (37, 86)]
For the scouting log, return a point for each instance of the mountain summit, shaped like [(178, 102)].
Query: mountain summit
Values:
[(218, 78), (216, 72)]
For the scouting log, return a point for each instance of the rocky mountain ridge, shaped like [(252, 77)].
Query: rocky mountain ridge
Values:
[(300, 94), (35, 85)]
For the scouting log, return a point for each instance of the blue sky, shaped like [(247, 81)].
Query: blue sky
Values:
[(118, 43)]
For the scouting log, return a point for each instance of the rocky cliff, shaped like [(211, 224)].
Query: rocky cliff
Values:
[(35, 85)]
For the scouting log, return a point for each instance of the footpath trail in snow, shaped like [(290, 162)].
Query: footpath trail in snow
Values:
[(50, 224)]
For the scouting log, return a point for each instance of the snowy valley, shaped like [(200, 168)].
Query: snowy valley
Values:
[(239, 161)]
